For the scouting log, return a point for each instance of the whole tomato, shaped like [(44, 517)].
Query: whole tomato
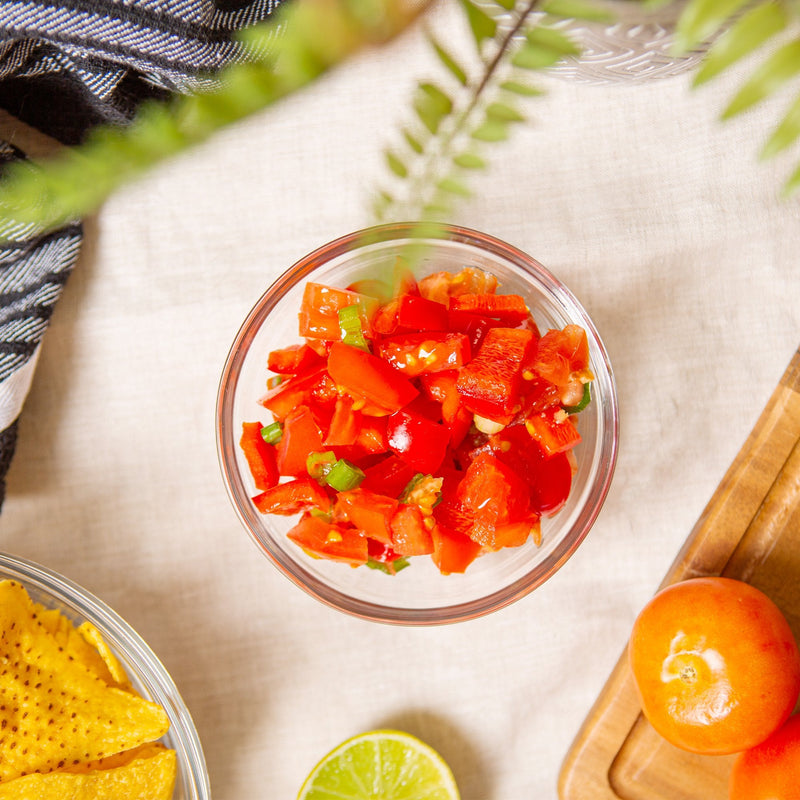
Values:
[(715, 664), (770, 770)]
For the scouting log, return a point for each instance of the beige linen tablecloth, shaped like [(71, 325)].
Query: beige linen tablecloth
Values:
[(658, 217)]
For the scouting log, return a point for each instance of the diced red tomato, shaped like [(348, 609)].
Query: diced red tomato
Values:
[(453, 552), (369, 376), (410, 536), (319, 311), (368, 511), (507, 308), (562, 353), (321, 539), (292, 497), (495, 495), (554, 430), (293, 359), (490, 383), (441, 286), (301, 436), (419, 441), (421, 353), (260, 456)]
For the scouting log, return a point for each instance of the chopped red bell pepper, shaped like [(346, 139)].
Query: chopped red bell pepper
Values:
[(419, 441), (440, 286), (292, 497), (321, 539), (301, 436), (490, 383), (368, 511), (422, 353), (345, 423), (415, 313), (453, 552), (507, 308), (319, 311), (366, 375), (260, 456), (293, 359), (561, 353), (294, 392), (388, 476)]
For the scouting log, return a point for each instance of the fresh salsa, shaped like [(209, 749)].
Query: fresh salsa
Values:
[(436, 422)]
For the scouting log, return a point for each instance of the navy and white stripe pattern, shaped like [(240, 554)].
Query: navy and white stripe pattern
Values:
[(66, 66)]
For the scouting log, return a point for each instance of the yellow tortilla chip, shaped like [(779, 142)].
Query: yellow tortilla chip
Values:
[(147, 774), (84, 644), (55, 713)]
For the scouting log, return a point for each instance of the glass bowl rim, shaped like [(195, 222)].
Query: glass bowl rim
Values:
[(124, 640), (382, 235)]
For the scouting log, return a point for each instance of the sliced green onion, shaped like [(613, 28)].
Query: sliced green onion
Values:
[(584, 401), (323, 515), (272, 433), (410, 486), (274, 380), (343, 476), (389, 567), (319, 464), (350, 326)]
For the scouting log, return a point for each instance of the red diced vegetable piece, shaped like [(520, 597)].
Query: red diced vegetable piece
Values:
[(418, 353), (319, 311), (345, 423), (495, 495), (301, 436), (473, 326), (453, 552), (440, 286), (490, 383), (368, 511), (389, 476), (410, 536), (321, 539), (292, 393), (419, 441), (260, 456), (366, 375), (554, 430), (292, 497), (416, 313), (560, 354), (294, 359), (508, 308), (515, 534)]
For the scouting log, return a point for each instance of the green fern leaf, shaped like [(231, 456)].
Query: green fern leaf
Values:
[(469, 161), (522, 89), (396, 164), (701, 19), (506, 5), (454, 186), (542, 48), (767, 78), (491, 130), (480, 23), (578, 9), (504, 112), (432, 105), (787, 132), (449, 61), (413, 142), (793, 184), (746, 35)]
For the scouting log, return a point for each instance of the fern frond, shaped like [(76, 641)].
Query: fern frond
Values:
[(763, 33), (303, 41), (480, 106)]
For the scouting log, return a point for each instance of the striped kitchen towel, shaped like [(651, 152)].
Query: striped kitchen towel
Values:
[(66, 67)]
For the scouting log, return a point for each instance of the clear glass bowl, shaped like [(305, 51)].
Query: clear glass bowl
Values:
[(419, 595), (146, 673)]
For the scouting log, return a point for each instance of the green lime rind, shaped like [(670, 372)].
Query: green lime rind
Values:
[(381, 765)]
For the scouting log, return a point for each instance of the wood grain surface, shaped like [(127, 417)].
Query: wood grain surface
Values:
[(749, 530)]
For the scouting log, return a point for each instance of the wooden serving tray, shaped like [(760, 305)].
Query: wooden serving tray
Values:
[(749, 530)]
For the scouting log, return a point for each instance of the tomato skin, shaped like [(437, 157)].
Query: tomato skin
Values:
[(715, 664), (770, 770)]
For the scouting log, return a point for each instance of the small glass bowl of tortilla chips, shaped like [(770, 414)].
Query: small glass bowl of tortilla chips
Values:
[(86, 708)]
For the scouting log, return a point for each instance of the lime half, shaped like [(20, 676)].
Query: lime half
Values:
[(381, 765)]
